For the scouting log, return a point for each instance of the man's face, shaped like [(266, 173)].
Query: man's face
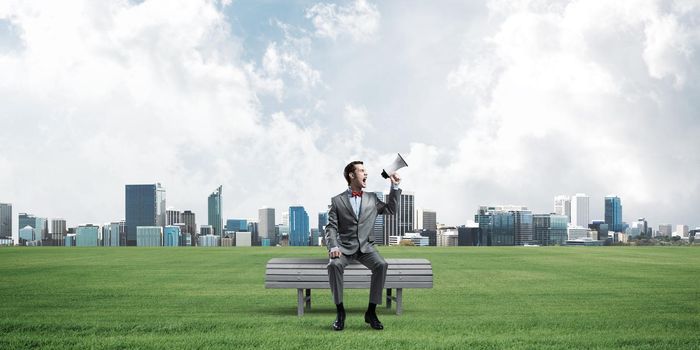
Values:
[(359, 180)]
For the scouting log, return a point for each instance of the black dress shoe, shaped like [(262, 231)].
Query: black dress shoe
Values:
[(339, 323), (373, 321)]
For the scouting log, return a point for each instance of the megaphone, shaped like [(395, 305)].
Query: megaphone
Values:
[(396, 165)]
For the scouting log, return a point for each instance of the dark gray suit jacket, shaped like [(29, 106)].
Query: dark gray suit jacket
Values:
[(350, 233)]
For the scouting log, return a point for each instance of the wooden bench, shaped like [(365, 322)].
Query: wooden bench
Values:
[(306, 274)]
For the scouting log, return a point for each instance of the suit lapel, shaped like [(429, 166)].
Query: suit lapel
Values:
[(367, 203), (346, 202)]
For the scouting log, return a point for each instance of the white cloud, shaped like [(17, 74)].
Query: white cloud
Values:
[(276, 63), (538, 98), (110, 93), (284, 66), (565, 104), (670, 47), (359, 20)]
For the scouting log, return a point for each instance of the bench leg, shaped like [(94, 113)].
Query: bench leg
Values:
[(399, 301), (300, 302), (388, 298), (308, 299)]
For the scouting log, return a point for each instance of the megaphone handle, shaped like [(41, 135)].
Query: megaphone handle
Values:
[(384, 174)]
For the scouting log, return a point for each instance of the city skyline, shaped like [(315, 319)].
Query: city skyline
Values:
[(489, 102), (159, 214)]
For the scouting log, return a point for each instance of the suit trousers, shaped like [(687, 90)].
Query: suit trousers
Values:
[(372, 260)]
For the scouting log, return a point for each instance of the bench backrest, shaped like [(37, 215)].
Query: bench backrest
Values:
[(313, 274)]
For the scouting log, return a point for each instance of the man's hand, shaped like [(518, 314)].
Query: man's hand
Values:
[(334, 254), (395, 178)]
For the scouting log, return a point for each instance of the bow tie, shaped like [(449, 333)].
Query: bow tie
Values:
[(356, 194)]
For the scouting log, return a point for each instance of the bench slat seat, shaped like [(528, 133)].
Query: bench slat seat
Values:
[(306, 274), (357, 278)]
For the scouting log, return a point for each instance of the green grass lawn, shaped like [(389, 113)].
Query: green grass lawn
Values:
[(214, 298)]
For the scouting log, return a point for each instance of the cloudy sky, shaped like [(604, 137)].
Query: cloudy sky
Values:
[(490, 102)]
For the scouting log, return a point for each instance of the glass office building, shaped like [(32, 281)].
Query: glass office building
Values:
[(237, 225), (209, 240), (40, 225), (26, 220), (496, 225), (114, 234), (87, 236), (298, 226), (214, 211), (149, 236), (266, 225), (502, 227), (468, 235), (401, 222), (26, 234), (322, 220), (5, 220), (550, 229), (380, 233), (145, 206), (522, 221), (613, 213), (171, 236)]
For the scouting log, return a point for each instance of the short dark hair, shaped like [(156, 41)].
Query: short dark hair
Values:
[(349, 169)]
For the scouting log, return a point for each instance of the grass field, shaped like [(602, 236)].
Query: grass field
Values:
[(483, 298)]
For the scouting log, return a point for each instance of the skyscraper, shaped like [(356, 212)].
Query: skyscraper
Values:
[(579, 210), (665, 230), (58, 226), (58, 231), (188, 218), (322, 220), (426, 219), (266, 225), (298, 226), (402, 221), (172, 217), (313, 237), (562, 206), (378, 229), (5, 220), (214, 209), (254, 234), (643, 226), (145, 206), (42, 229), (613, 213)]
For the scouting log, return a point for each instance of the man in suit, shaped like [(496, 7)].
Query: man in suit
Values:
[(349, 237)]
